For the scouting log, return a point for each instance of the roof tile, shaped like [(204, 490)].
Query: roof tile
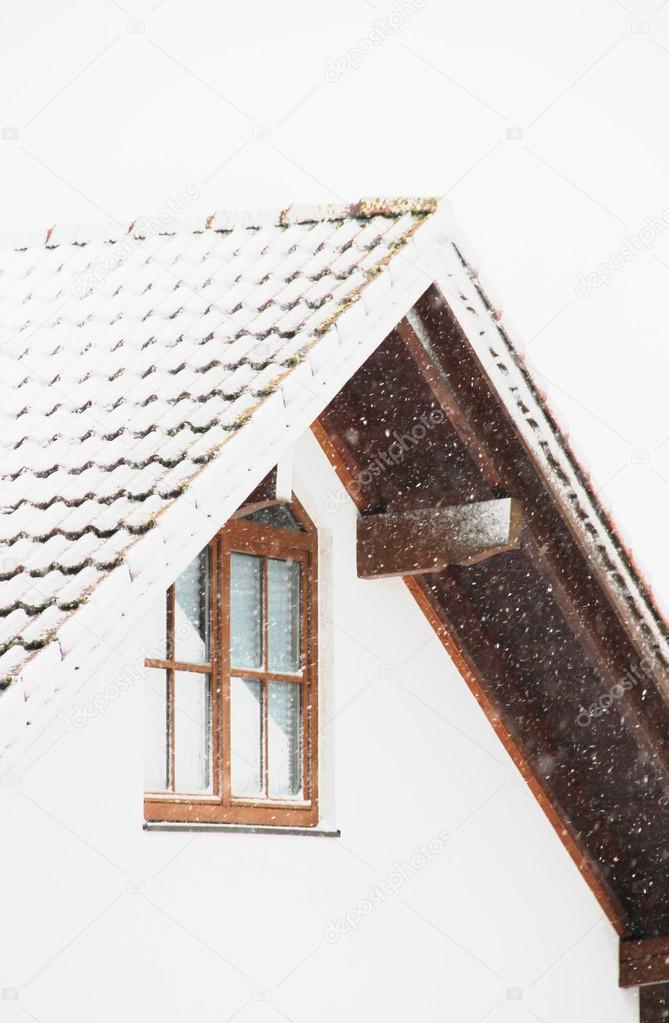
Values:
[(135, 356)]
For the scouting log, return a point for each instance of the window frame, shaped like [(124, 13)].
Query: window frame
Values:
[(219, 806)]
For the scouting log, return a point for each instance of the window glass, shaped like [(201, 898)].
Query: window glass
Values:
[(191, 611), (237, 721), (283, 622), (192, 732), (246, 713), (155, 731), (245, 611), (284, 740), (276, 515)]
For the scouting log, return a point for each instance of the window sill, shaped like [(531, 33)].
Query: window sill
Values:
[(252, 829)]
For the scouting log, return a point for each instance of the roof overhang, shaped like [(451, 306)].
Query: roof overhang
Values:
[(558, 640), (47, 683)]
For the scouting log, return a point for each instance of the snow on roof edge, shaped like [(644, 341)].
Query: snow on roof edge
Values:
[(346, 342), (221, 220), (547, 444)]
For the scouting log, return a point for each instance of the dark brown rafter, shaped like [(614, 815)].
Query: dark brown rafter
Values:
[(644, 962), (479, 663), (548, 642), (515, 744), (580, 600), (654, 1004)]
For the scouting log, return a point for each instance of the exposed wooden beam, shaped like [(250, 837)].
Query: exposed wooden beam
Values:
[(550, 558), (428, 539), (275, 488), (654, 1003), (449, 629), (644, 962), (345, 458), (472, 455)]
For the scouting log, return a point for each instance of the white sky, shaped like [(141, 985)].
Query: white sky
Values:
[(119, 106)]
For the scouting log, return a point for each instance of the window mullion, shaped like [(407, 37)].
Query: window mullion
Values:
[(199, 669), (271, 676), (170, 648), (265, 737), (169, 630), (171, 731), (214, 677), (223, 616), (306, 691), (265, 686)]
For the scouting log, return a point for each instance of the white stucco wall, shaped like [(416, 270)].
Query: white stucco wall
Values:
[(104, 922)]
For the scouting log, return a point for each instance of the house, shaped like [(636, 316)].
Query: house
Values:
[(287, 522)]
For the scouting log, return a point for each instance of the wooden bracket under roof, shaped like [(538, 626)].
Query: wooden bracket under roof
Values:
[(428, 539)]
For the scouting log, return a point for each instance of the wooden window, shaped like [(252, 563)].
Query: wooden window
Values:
[(231, 709)]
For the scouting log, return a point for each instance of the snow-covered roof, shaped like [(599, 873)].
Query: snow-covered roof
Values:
[(130, 359), (151, 376)]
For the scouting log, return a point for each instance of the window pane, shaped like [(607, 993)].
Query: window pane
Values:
[(276, 515), (245, 611), (191, 615), (155, 731), (285, 740), (284, 615), (246, 737), (192, 732)]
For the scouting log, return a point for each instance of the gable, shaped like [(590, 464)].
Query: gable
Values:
[(367, 319)]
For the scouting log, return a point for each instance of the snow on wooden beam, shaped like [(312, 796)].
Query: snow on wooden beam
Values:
[(654, 1003), (275, 488), (428, 539), (645, 961)]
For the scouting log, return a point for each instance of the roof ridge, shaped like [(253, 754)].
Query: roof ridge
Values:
[(169, 219)]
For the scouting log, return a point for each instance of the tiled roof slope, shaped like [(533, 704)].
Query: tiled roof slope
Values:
[(130, 356), (151, 376)]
